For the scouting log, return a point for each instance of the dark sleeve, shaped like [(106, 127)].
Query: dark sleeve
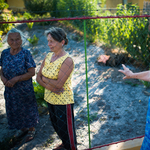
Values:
[(29, 60)]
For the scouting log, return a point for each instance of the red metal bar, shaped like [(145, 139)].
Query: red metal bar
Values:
[(115, 143), (75, 18)]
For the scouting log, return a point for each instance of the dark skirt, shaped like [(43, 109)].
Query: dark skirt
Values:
[(21, 106)]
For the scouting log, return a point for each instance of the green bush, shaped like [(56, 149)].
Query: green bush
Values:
[(5, 27), (38, 6), (130, 34), (6, 17), (78, 8), (39, 94), (3, 5), (146, 83), (28, 16)]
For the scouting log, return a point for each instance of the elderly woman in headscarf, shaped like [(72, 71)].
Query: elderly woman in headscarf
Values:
[(17, 70)]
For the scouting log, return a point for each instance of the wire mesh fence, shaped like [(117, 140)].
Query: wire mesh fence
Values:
[(107, 108)]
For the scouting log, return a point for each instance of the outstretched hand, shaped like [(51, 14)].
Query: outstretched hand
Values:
[(127, 72)]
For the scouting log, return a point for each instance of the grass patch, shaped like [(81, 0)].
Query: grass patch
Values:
[(131, 83)]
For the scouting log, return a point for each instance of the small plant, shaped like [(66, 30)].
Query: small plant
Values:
[(39, 94), (19, 15), (1, 44), (28, 16), (1, 32), (49, 142), (30, 25), (93, 116), (33, 40), (131, 83), (145, 83)]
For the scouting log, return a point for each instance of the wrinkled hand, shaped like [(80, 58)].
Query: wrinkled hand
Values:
[(12, 82), (55, 90), (127, 72), (58, 91), (44, 79), (4, 80)]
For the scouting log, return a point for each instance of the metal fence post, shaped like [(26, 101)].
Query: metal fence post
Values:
[(87, 82)]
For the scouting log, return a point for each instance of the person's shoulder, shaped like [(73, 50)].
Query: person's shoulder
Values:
[(6, 51), (26, 51), (49, 54), (69, 60), (69, 56)]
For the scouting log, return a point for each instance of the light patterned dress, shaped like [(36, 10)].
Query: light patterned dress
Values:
[(51, 70)]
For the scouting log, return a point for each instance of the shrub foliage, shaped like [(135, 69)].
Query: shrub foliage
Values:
[(38, 6), (4, 28)]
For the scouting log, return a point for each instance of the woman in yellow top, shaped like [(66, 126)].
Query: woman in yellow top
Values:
[(55, 75)]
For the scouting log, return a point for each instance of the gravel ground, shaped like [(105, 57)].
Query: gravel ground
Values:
[(117, 109)]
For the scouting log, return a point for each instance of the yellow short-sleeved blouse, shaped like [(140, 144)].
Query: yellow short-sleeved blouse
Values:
[(51, 70)]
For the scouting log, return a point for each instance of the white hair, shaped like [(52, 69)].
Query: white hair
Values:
[(14, 30)]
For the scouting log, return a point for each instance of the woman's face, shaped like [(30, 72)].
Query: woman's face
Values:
[(53, 44), (14, 40)]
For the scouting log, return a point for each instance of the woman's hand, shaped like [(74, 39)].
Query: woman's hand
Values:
[(55, 90), (4, 80), (58, 91), (45, 79), (12, 82), (127, 72)]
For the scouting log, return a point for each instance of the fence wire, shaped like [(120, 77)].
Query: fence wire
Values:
[(107, 108)]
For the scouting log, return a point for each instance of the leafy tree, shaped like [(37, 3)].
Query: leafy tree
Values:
[(73, 8), (130, 34), (78, 8), (38, 6), (54, 10), (103, 2), (5, 27), (3, 5)]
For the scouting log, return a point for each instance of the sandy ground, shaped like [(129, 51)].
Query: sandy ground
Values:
[(117, 109)]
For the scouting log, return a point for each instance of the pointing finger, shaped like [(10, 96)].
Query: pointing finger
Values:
[(122, 71), (124, 67)]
